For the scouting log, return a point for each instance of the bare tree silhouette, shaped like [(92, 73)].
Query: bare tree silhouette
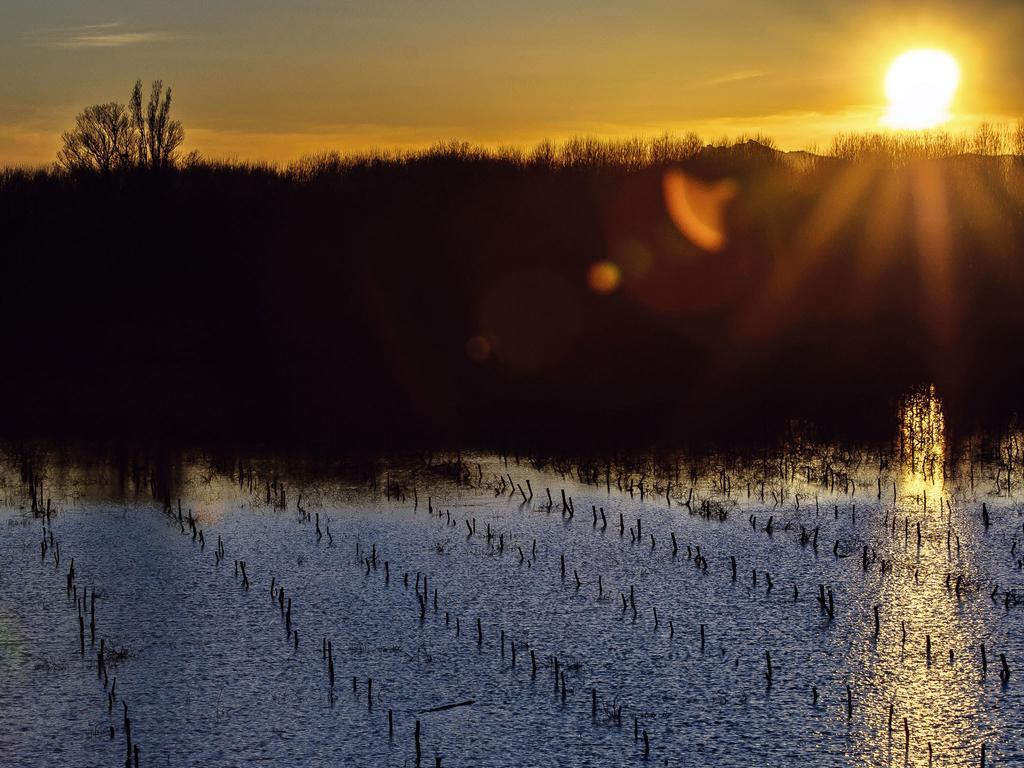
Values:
[(158, 136), (102, 140), (110, 137), (988, 139)]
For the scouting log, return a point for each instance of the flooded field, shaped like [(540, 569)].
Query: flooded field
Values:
[(810, 604)]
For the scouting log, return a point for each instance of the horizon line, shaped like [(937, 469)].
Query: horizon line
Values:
[(1009, 138)]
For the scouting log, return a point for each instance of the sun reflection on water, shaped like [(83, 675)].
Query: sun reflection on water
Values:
[(939, 695), (922, 447)]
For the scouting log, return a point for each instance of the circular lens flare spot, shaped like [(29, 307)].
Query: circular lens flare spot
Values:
[(604, 277), (478, 349)]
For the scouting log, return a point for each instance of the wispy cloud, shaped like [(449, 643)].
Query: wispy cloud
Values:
[(83, 27), (105, 35), (734, 77)]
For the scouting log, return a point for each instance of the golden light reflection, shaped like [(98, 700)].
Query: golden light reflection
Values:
[(938, 695), (940, 698), (922, 446), (72, 479)]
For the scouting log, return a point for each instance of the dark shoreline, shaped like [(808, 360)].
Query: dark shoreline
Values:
[(330, 312)]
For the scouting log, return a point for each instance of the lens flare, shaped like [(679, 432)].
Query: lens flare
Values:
[(697, 208), (604, 277)]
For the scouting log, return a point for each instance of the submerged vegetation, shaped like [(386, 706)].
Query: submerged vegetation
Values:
[(462, 294), (819, 599)]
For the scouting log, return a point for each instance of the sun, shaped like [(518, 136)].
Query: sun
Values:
[(920, 86)]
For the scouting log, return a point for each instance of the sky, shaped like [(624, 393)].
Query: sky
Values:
[(272, 80)]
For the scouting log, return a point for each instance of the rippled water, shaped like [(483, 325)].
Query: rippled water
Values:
[(211, 677)]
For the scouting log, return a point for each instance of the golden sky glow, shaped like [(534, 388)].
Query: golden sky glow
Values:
[(266, 80)]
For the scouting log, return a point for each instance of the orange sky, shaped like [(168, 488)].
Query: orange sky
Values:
[(267, 80)]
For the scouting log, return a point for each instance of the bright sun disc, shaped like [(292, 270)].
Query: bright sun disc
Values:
[(920, 86)]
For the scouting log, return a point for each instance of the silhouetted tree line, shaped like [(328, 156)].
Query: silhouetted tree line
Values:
[(442, 297), (118, 137)]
